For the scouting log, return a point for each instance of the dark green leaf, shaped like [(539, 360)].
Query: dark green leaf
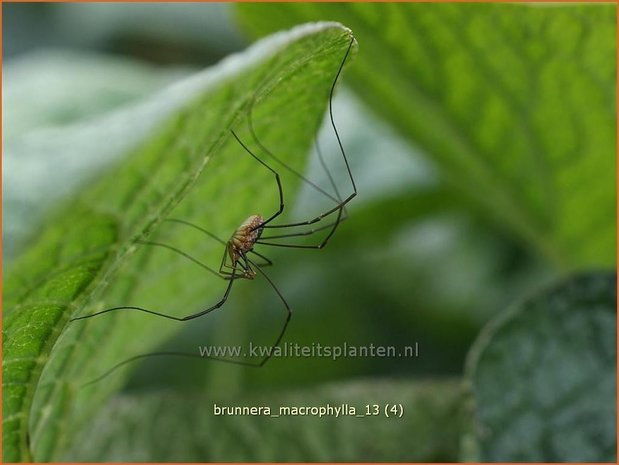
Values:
[(543, 376)]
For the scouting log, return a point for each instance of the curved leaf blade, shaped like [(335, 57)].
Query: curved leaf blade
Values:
[(543, 376), (88, 255)]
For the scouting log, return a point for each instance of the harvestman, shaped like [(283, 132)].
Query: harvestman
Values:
[(236, 262)]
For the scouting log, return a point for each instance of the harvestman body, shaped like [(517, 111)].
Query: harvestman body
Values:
[(243, 241), (236, 262)]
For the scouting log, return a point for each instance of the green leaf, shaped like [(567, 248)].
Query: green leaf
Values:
[(543, 376), (137, 428), (76, 86), (516, 103), (55, 105), (88, 255)]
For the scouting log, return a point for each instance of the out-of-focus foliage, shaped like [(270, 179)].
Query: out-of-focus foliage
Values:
[(433, 422), (162, 33)]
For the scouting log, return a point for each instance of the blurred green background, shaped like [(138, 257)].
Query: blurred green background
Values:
[(438, 241)]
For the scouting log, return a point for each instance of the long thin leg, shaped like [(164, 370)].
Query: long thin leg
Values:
[(354, 193), (268, 262), (293, 246), (133, 359), (306, 233), (321, 159), (317, 246), (340, 207), (184, 254), (317, 218), (337, 135), (281, 332), (163, 315), (334, 224), (277, 180), (340, 203), (331, 181), (284, 327), (167, 354), (337, 199), (284, 165), (208, 233), (220, 359)]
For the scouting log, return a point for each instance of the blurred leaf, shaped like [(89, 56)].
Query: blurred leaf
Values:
[(66, 116), (165, 426), (88, 256), (543, 376), (516, 103), (53, 88)]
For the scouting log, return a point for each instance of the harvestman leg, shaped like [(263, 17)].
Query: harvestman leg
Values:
[(262, 362), (163, 315), (231, 277), (280, 210), (342, 216), (187, 223), (303, 233), (337, 199), (341, 205), (338, 208), (184, 254), (290, 169), (282, 331), (341, 208), (268, 262), (284, 327)]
